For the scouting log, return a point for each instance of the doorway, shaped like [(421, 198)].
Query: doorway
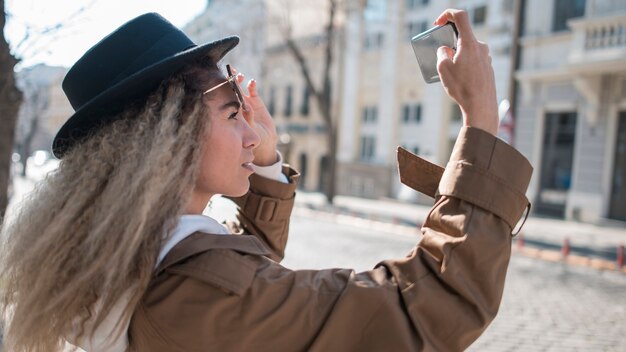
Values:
[(556, 163), (617, 208)]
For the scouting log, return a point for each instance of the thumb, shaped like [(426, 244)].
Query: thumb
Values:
[(444, 61)]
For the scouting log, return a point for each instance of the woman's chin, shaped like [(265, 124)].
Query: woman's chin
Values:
[(241, 191)]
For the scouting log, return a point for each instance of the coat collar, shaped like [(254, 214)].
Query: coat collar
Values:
[(200, 242)]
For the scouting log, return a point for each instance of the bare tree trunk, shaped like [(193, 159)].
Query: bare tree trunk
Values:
[(323, 98), (10, 99), (28, 141), (35, 106), (330, 191)]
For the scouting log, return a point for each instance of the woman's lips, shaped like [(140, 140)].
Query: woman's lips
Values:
[(248, 166)]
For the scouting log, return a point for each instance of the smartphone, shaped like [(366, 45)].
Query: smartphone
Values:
[(426, 44)]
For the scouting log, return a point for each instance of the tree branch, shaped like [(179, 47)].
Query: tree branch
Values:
[(26, 43), (304, 68)]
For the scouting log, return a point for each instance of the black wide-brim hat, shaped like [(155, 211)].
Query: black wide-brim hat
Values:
[(125, 67)]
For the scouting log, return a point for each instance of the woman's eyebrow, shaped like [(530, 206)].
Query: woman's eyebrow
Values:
[(231, 104)]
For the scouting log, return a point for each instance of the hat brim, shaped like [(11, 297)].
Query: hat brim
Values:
[(101, 109)]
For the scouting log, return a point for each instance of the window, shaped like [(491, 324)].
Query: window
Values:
[(373, 41), (412, 113), (411, 4), (379, 40), (375, 10), (565, 10), (304, 108), (370, 114), (288, 101), (480, 15), (508, 6), (418, 113), (368, 147), (415, 28), (406, 112), (556, 163)]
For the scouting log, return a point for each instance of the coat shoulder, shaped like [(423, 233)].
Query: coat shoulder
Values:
[(225, 269)]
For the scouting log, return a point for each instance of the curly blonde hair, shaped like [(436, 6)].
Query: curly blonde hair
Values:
[(94, 227)]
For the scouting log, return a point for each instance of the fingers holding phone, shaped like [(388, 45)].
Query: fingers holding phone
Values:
[(425, 46), (467, 75)]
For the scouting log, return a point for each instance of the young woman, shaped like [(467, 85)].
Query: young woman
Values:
[(112, 252)]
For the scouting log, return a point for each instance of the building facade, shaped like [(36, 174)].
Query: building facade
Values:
[(380, 100), (571, 109), (263, 26), (385, 102), (44, 108)]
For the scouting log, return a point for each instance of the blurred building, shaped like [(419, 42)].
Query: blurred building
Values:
[(384, 100), (44, 107), (379, 97), (571, 107), (262, 54)]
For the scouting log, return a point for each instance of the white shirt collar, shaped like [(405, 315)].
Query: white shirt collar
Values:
[(102, 339), (187, 225)]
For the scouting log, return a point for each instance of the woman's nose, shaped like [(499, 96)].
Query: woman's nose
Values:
[(251, 138)]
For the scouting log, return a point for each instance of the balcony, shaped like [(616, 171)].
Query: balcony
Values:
[(599, 8), (599, 42)]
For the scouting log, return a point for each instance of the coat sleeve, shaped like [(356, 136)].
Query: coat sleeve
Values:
[(440, 297), (451, 285), (265, 210)]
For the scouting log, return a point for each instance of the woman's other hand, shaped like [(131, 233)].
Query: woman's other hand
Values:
[(257, 115), (467, 75)]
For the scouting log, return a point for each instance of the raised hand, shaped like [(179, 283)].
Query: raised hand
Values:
[(467, 75), (257, 115)]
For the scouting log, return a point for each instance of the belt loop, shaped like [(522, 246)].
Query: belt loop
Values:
[(267, 209)]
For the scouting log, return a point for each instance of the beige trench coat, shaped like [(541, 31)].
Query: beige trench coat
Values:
[(229, 293)]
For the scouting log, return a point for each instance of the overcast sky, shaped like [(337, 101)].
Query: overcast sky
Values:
[(65, 46)]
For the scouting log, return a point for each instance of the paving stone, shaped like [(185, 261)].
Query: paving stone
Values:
[(554, 307)]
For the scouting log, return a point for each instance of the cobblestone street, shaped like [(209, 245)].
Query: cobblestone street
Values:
[(547, 306), (552, 307)]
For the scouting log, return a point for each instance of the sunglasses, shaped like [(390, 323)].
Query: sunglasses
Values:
[(232, 80)]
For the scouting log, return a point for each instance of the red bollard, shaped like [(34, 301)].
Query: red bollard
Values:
[(620, 256), (566, 249), (520, 241)]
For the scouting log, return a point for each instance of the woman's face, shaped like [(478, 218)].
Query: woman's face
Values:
[(225, 163)]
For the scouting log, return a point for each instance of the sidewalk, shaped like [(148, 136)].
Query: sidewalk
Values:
[(589, 244)]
